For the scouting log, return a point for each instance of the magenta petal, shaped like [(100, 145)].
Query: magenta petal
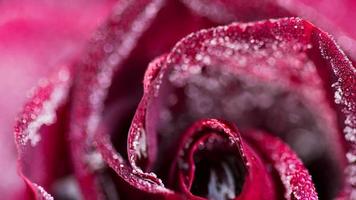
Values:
[(111, 45), (146, 183), (336, 21), (152, 71), (36, 38), (37, 122), (294, 176)]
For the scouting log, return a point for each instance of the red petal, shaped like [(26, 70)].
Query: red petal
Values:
[(294, 176), (37, 122), (111, 45), (322, 13), (36, 38)]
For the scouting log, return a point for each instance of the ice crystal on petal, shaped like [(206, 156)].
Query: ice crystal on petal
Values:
[(42, 192), (42, 109)]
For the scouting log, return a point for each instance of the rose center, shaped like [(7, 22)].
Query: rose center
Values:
[(219, 175)]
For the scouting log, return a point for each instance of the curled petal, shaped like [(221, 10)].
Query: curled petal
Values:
[(38, 132), (111, 45), (294, 176)]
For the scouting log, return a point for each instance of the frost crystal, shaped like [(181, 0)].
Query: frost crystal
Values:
[(46, 114), (43, 193)]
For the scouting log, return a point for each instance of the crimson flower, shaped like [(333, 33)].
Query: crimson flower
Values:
[(240, 100)]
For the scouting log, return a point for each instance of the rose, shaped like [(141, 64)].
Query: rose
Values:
[(35, 137), (294, 36), (63, 76)]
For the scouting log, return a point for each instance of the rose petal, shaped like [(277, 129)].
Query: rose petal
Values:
[(294, 176), (336, 21), (36, 38), (38, 121), (110, 46)]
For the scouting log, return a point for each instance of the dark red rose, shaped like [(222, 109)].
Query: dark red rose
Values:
[(239, 100)]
